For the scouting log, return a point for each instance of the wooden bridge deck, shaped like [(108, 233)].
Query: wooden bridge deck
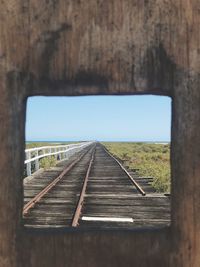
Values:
[(110, 198)]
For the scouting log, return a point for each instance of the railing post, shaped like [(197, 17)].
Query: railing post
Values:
[(28, 165), (37, 164), (61, 154), (65, 154), (56, 155)]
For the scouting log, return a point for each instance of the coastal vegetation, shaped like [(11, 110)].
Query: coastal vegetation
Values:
[(48, 162), (150, 160)]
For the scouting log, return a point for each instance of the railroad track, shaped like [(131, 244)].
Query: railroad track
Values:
[(92, 190)]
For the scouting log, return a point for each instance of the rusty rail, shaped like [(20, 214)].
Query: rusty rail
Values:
[(127, 173), (82, 195), (37, 198)]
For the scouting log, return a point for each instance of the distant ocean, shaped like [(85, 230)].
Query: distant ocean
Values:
[(115, 141)]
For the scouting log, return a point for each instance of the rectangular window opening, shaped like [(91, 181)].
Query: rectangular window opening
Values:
[(98, 162)]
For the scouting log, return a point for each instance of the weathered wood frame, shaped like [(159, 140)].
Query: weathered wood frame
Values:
[(92, 47)]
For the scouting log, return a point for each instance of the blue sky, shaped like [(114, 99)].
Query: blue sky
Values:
[(103, 118)]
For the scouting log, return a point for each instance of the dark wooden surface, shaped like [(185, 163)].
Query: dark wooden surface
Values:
[(77, 47), (57, 207), (109, 194)]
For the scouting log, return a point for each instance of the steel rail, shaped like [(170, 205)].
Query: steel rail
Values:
[(79, 206), (139, 188), (37, 198)]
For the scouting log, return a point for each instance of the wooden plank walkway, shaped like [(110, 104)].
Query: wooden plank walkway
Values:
[(111, 200)]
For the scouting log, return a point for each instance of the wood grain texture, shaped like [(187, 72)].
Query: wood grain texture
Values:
[(77, 47), (73, 47)]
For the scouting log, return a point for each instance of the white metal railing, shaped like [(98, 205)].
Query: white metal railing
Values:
[(33, 155)]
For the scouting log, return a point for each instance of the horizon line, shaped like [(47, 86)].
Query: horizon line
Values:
[(82, 140)]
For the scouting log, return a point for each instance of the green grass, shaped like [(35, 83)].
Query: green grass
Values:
[(48, 162), (152, 160)]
